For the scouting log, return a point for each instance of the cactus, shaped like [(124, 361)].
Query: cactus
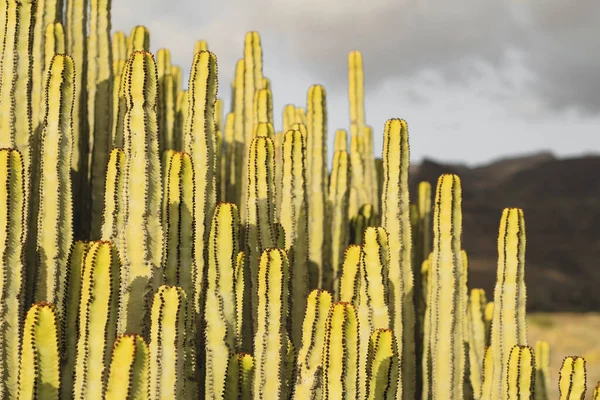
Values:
[(200, 45), (351, 273), (383, 365), (39, 376), (54, 211), (572, 381), (508, 326), (97, 323), (138, 40), (12, 269), (270, 340), (220, 304), (241, 300), (239, 149), (142, 186), (99, 104), (128, 376), (294, 220), (521, 373), (476, 336), (309, 364), (341, 140), (340, 355), (542, 366), (240, 375), (396, 221), (119, 50), (166, 101), (167, 340)]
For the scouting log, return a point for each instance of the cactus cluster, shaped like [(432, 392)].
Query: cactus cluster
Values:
[(154, 248)]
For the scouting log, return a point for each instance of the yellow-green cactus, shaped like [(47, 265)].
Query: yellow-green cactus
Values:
[(341, 140), (270, 340), (396, 221), (200, 143), (239, 147), (119, 50), (114, 201), (316, 163), (309, 368), (128, 374), (39, 373), (97, 322), (263, 106), (446, 336), (54, 43), (488, 372), (382, 365), (138, 40), (476, 336), (340, 354), (509, 326), (54, 211), (12, 269), (167, 341), (166, 101), (337, 204), (99, 102), (240, 377), (289, 117), (181, 117), (542, 370), (141, 249), (220, 304), (294, 220), (596, 394), (350, 279), (520, 373), (253, 79), (200, 45), (242, 329), (572, 381)]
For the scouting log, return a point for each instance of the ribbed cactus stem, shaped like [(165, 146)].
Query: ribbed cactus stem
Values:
[(572, 382), (263, 106), (383, 369), (350, 279), (240, 144), (114, 201), (54, 43), (138, 40), (337, 204), (97, 325), (200, 143), (240, 376), (260, 213), (542, 370), (167, 340), (270, 340), (39, 374), (309, 364), (521, 373), (288, 117), (128, 376), (488, 372), (54, 211), (253, 79), (119, 49), (99, 101), (220, 306), (316, 143), (200, 45), (242, 328), (359, 191), (229, 161), (294, 220), (446, 337), (396, 221), (476, 336), (509, 326), (166, 101), (340, 355), (141, 250), (12, 270)]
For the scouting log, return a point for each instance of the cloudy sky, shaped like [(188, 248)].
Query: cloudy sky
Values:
[(475, 80)]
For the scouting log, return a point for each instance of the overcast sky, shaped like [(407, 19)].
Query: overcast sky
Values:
[(475, 80)]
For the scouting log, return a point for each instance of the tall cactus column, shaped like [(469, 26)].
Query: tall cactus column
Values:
[(396, 221)]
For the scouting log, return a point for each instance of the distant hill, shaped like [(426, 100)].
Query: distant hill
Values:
[(561, 203)]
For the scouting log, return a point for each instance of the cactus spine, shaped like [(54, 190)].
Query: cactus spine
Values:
[(220, 305), (128, 376), (396, 221), (167, 340), (294, 220), (39, 376), (572, 381), (270, 341), (54, 212), (12, 269), (521, 373), (97, 319), (508, 326), (141, 250)]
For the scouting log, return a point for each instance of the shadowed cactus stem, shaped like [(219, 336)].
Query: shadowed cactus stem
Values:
[(128, 376), (382, 365)]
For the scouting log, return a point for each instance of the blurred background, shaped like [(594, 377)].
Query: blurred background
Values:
[(505, 93)]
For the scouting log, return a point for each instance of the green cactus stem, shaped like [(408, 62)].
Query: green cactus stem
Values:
[(542, 370), (383, 365), (572, 381), (240, 376), (128, 376), (520, 373), (138, 40), (350, 280), (341, 140), (476, 336)]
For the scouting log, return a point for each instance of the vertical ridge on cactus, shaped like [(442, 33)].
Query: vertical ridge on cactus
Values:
[(240, 376), (382, 365), (572, 380), (138, 40), (128, 376), (542, 367), (520, 373)]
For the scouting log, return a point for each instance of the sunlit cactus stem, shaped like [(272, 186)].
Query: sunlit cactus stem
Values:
[(382, 365), (542, 370), (572, 382), (138, 40), (97, 323), (166, 101), (240, 376), (294, 220), (12, 270), (220, 304), (520, 373), (128, 376), (167, 340), (351, 272), (39, 374), (54, 210), (396, 221), (476, 336)]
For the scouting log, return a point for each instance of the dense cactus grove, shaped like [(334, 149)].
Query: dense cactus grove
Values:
[(155, 247)]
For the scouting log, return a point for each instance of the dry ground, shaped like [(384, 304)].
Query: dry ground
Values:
[(568, 334)]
